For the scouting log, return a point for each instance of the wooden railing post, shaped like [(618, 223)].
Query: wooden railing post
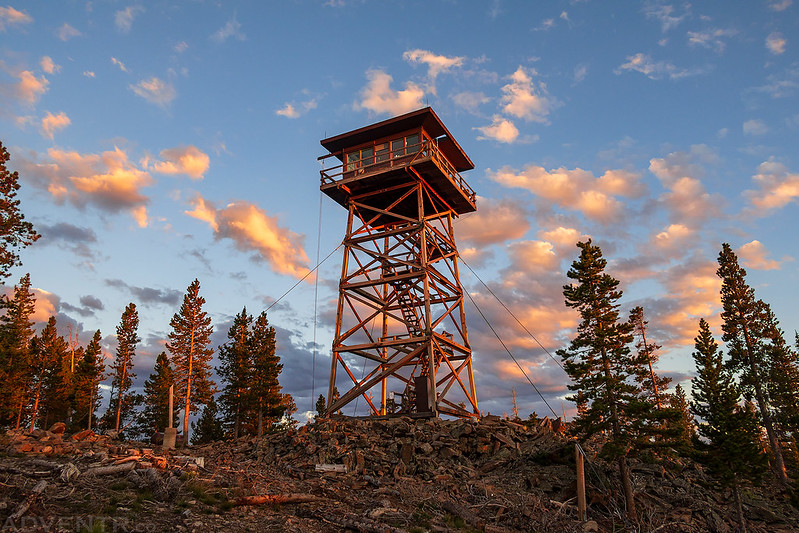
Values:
[(580, 461)]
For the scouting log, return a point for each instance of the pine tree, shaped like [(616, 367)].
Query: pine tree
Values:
[(191, 354), (235, 370), (155, 415), (598, 360), (682, 427), (16, 334), (49, 350), (15, 231), (321, 406), (265, 391), (208, 427), (782, 386), (748, 336), (122, 403), (652, 385), (730, 430), (88, 375)]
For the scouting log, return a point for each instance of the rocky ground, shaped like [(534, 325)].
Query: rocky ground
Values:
[(392, 475)]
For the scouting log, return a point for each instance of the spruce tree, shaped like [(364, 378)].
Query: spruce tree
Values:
[(235, 370), (88, 375), (208, 427), (265, 391), (189, 343), (49, 350), (155, 415), (599, 362), (122, 403), (652, 385), (748, 337), (321, 406), (15, 231), (683, 425), (729, 430), (782, 386), (16, 334)]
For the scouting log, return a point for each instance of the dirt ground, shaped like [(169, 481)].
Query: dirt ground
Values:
[(388, 475)]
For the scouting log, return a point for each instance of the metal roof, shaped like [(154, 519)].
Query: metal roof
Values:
[(425, 118)]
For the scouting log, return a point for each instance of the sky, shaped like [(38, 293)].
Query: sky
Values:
[(162, 141)]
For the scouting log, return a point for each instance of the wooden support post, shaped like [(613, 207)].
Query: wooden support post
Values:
[(580, 460), (170, 433)]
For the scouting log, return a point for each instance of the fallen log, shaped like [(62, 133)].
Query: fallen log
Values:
[(108, 470), (23, 507), (279, 498), (468, 516)]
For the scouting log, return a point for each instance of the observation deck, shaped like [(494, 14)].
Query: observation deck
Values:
[(378, 160)]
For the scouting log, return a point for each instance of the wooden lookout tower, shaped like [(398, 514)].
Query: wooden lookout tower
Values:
[(400, 334)]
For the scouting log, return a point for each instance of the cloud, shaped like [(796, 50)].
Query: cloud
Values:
[(124, 18), (47, 305), (148, 295), (12, 17), (68, 236), (252, 230), (181, 47), (580, 73), (780, 5), (119, 64), (664, 13), (436, 64), (155, 91), (29, 87), (753, 255), (495, 222), (67, 32), (653, 70), (673, 240), (378, 96), (107, 181), (52, 123), (687, 200), (188, 160), (777, 187), (88, 73), (755, 127), (713, 38), (775, 43), (780, 86), (48, 66), (521, 98), (577, 189), (291, 110), (92, 302), (232, 28), (470, 101), (501, 130)]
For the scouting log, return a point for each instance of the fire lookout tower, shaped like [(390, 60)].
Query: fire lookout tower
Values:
[(400, 321)]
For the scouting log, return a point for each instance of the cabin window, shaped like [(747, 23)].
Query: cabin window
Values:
[(381, 152)]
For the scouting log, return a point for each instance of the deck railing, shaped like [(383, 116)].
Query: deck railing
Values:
[(412, 154)]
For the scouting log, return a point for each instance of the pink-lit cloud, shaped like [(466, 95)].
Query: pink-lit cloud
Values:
[(67, 32), (379, 97), (755, 256), (495, 222), (501, 129), (776, 43), (436, 64), (155, 91), (576, 189), (188, 160), (52, 123), (48, 65), (252, 230), (522, 99), (777, 187), (687, 201), (107, 181), (13, 17)]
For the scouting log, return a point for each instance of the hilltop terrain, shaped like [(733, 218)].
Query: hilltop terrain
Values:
[(390, 475)]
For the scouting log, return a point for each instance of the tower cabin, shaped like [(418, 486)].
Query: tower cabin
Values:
[(376, 159)]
